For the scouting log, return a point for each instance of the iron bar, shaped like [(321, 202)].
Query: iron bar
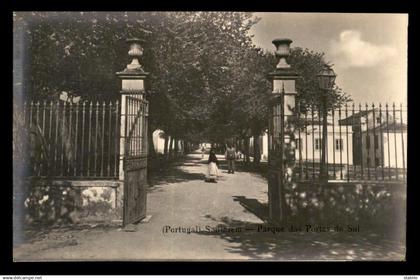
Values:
[(395, 142), (89, 137), (340, 145), (387, 133), (375, 141), (83, 137), (368, 143), (361, 142), (354, 137), (299, 142), (320, 145), (38, 164), (69, 162), (56, 157), (306, 144), (402, 141), (76, 142), (49, 139), (30, 114), (116, 138), (313, 142), (96, 139), (382, 153), (334, 144), (102, 139), (347, 144), (44, 106), (62, 139), (108, 167)]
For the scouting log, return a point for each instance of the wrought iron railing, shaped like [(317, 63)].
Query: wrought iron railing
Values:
[(363, 143), (73, 140)]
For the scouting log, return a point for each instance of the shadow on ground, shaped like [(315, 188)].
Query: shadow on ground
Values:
[(269, 242), (254, 206), (260, 170), (174, 173)]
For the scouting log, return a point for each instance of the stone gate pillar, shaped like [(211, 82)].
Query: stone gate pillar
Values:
[(281, 142), (132, 84)]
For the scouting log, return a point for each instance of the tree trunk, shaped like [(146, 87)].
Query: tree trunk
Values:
[(257, 152), (171, 143), (151, 157), (151, 145), (246, 150), (176, 148), (165, 146)]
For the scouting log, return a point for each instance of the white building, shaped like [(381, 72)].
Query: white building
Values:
[(309, 141), (380, 139), (339, 145)]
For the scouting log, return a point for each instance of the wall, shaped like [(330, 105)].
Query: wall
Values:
[(397, 155), (391, 150), (47, 204), (333, 155)]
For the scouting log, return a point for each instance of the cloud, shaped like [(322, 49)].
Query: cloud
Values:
[(352, 51)]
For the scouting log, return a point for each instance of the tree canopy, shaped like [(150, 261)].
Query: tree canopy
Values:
[(207, 81)]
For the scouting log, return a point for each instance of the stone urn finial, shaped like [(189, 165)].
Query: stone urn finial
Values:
[(282, 51), (135, 52)]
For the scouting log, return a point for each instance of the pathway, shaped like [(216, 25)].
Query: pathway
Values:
[(195, 220)]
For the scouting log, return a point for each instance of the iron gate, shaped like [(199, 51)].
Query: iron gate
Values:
[(135, 159)]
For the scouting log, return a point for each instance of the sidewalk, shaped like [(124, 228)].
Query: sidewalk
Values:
[(195, 220)]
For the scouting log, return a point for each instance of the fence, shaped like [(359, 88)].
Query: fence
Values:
[(73, 140), (361, 143)]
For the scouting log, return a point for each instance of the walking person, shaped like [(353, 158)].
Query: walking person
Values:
[(202, 151), (230, 156), (213, 167)]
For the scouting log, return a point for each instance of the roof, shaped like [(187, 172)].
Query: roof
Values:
[(310, 121), (353, 119), (391, 127)]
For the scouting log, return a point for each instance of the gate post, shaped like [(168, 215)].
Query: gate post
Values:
[(281, 142), (132, 192), (132, 84)]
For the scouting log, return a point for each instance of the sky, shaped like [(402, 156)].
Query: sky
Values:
[(368, 51)]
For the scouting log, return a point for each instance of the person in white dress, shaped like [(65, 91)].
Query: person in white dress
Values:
[(213, 167)]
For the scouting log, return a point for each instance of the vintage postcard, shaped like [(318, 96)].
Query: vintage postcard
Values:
[(196, 136)]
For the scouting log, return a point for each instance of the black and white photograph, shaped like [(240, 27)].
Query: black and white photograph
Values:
[(209, 136)]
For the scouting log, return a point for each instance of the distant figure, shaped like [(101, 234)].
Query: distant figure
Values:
[(213, 167), (202, 152), (239, 153), (230, 156)]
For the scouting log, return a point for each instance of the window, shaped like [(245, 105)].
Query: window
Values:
[(376, 142), (339, 144), (317, 144), (367, 142)]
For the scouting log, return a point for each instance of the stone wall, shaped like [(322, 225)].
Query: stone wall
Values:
[(45, 203)]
